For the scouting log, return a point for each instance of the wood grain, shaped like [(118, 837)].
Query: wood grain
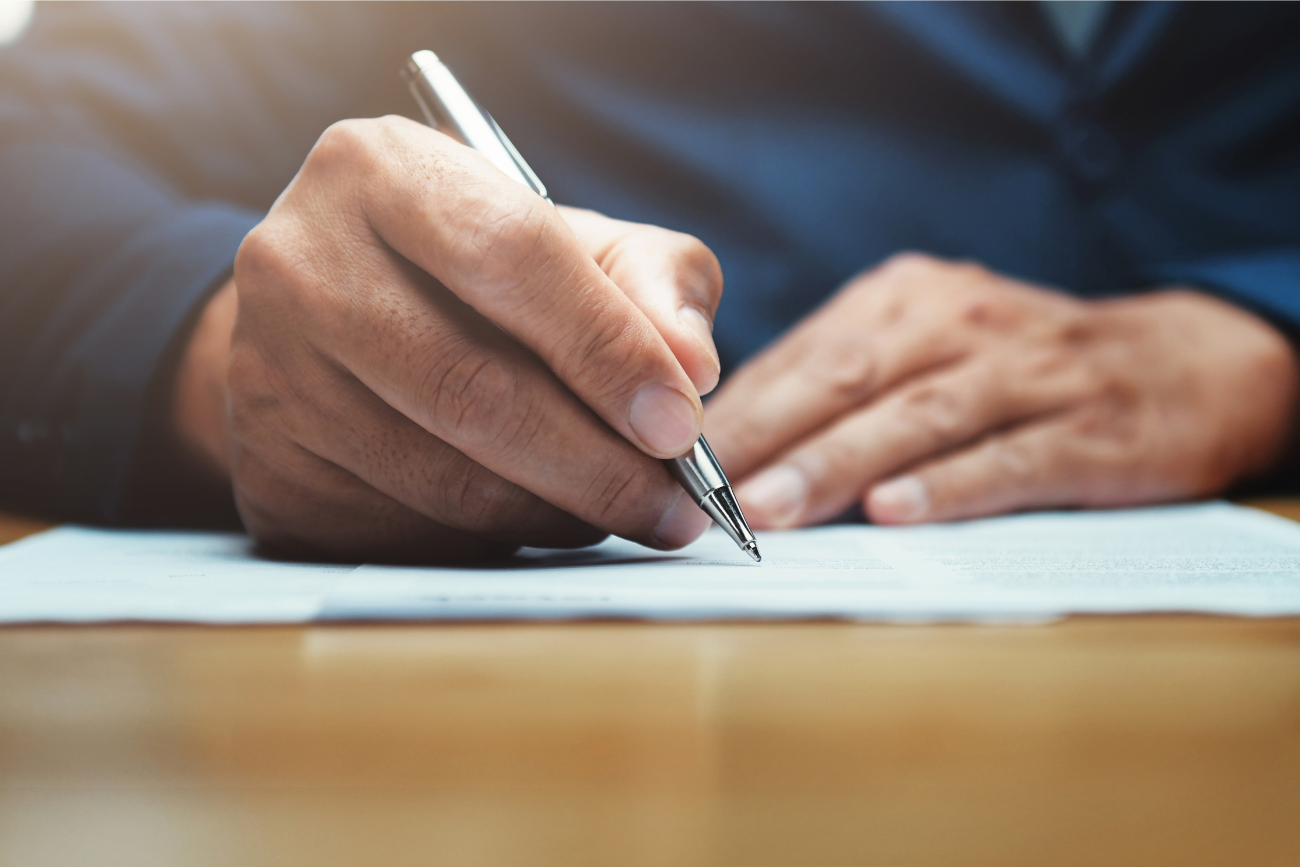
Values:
[(1094, 741)]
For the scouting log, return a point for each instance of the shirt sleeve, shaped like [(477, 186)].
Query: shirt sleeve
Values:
[(1267, 282), (138, 145)]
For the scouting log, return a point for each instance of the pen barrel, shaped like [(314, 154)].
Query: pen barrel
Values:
[(701, 475), (449, 108), (698, 471)]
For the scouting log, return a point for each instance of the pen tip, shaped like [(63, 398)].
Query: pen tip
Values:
[(752, 550)]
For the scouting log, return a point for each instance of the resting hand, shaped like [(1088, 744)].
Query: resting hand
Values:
[(929, 391), (419, 359)]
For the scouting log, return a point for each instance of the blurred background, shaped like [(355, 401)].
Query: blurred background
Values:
[(14, 15)]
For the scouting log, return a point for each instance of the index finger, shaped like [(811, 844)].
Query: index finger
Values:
[(862, 342), (509, 255), (673, 278)]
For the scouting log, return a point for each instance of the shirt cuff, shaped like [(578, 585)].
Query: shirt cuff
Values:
[(1265, 282), (79, 441)]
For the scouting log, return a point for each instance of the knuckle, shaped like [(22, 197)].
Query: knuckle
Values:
[(893, 286), (269, 401), (1015, 465), (699, 262), (466, 388), (274, 284), (969, 270), (482, 500), (524, 427), (348, 171), (261, 258), (270, 272), (910, 265), (906, 268), (503, 243), (394, 125), (598, 343), (979, 310), (347, 143), (284, 262), (937, 413), (617, 494), (883, 309), (278, 285), (479, 396), (984, 305), (848, 369), (611, 356), (1079, 332), (1055, 364)]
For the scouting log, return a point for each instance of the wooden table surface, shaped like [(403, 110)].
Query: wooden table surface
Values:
[(1094, 741)]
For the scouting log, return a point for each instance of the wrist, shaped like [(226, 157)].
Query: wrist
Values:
[(1249, 373), (198, 398)]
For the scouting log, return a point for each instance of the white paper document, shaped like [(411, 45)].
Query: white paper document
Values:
[(1212, 557)]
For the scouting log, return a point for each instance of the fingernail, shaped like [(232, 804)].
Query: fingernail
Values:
[(664, 420), (778, 495), (700, 326), (681, 524), (899, 501)]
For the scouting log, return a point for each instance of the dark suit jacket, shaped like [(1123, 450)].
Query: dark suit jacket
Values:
[(802, 142)]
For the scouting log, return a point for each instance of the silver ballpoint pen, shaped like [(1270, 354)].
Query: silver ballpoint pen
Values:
[(450, 109)]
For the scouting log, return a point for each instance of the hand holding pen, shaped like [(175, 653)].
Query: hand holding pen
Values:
[(431, 364)]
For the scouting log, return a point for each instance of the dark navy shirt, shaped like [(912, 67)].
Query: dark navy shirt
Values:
[(802, 142)]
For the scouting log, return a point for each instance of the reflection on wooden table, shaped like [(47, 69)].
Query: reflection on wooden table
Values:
[(1096, 741)]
